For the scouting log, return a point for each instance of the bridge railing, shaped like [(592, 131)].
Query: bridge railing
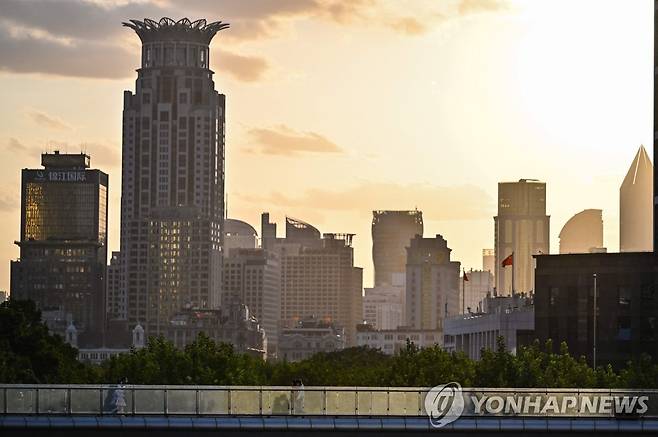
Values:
[(316, 401)]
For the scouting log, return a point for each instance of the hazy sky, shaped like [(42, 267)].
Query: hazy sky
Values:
[(336, 108)]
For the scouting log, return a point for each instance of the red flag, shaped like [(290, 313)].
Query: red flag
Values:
[(509, 261)]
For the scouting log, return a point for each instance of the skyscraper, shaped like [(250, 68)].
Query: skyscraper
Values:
[(635, 209), (391, 233), (489, 261), (63, 244), (172, 199), (582, 233), (253, 277), (318, 277), (432, 283), (521, 228)]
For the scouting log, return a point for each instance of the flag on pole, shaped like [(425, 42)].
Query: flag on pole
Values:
[(509, 261), (466, 277)]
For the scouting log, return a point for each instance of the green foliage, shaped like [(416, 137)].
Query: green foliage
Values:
[(29, 354)]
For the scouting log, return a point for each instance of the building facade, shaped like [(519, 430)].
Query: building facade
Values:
[(391, 233), (239, 235), (627, 304), (253, 277), (479, 285), (318, 277), (116, 293), (512, 318), (232, 324), (383, 306), (489, 261), (172, 199), (63, 244), (308, 337), (392, 341), (635, 206), (432, 291), (520, 228), (583, 233)]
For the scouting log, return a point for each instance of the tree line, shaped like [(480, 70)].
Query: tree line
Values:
[(29, 354)]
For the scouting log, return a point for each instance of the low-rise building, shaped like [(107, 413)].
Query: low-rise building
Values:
[(308, 337), (391, 341), (233, 324), (512, 318)]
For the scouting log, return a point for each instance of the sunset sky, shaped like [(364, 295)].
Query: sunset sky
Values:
[(336, 108)]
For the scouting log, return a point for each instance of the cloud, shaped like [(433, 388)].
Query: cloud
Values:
[(464, 202), (82, 58), (47, 121), (241, 67), (282, 140), (467, 7), (13, 145), (409, 26), (8, 201)]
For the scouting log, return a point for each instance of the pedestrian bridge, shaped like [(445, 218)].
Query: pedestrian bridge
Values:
[(229, 410)]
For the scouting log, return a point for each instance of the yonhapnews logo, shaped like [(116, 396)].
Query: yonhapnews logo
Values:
[(444, 404)]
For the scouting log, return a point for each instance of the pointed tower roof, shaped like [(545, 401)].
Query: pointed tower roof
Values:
[(641, 171)]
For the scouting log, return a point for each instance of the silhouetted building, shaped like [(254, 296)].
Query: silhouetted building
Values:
[(391, 233), (522, 229), (172, 199), (253, 277), (267, 230), (583, 233), (432, 291), (512, 318), (392, 341), (318, 277), (239, 235), (635, 209), (116, 292), (233, 323), (309, 336), (627, 302), (63, 244)]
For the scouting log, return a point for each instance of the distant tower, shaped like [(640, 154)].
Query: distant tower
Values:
[(71, 335), (522, 228), (391, 233), (172, 191), (432, 292), (583, 233), (138, 337), (635, 208)]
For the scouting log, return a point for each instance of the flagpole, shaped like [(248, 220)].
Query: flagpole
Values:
[(463, 291), (513, 290)]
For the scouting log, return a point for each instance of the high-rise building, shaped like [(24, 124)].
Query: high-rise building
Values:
[(478, 286), (253, 277), (239, 235), (583, 233), (391, 233), (626, 305), (635, 209), (432, 291), (172, 199), (116, 292), (318, 277), (63, 244), (489, 261), (521, 230)]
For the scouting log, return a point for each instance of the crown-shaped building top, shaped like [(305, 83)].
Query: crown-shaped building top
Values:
[(199, 31)]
